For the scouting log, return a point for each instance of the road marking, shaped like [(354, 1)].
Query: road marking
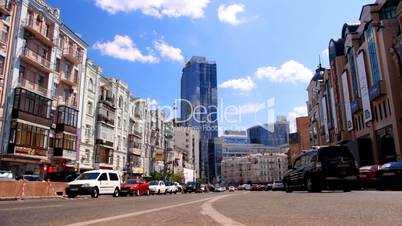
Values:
[(90, 222), (32, 207), (219, 218)]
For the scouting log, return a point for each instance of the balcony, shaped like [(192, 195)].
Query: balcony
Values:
[(107, 100), (60, 153), (68, 79), (105, 119), (70, 102), (32, 86), (135, 151), (33, 58), (72, 55), (5, 7), (104, 158), (377, 89), (3, 38), (39, 32)]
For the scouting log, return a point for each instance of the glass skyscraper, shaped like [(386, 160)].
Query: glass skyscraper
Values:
[(199, 108), (276, 138)]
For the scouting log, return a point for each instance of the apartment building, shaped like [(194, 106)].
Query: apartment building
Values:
[(136, 153), (259, 168), (8, 16), (41, 119), (91, 95), (360, 99), (187, 147)]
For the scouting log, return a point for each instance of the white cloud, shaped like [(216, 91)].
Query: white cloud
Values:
[(169, 51), (228, 14), (295, 113), (249, 108), (122, 47), (291, 72), (325, 53), (243, 84), (157, 8)]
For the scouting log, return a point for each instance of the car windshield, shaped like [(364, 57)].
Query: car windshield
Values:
[(130, 182), (335, 154), (88, 176), (154, 182), (190, 184), (167, 183)]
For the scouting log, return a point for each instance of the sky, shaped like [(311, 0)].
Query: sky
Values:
[(266, 51)]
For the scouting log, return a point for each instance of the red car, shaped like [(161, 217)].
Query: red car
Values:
[(135, 187), (368, 176)]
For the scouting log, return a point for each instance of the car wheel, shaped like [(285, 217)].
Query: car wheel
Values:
[(95, 193), (311, 185), (71, 196), (137, 193), (159, 192), (287, 188), (116, 192)]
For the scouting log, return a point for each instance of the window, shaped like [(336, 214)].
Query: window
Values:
[(32, 103), (67, 116), (75, 75), (90, 109), (113, 177), (119, 122), (67, 70), (388, 11), (57, 65), (103, 177), (24, 135), (65, 141), (1, 65), (375, 72), (41, 80), (91, 85), (54, 89), (352, 67), (120, 102), (88, 131)]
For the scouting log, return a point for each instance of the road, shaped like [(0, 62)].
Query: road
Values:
[(236, 208)]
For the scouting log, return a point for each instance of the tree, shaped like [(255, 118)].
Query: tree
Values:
[(179, 177)]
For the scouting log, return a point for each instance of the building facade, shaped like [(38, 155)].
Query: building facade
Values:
[(361, 101), (43, 100), (187, 142), (259, 168), (300, 140), (273, 135), (199, 101), (8, 15)]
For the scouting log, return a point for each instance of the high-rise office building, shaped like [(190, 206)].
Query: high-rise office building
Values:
[(199, 108), (273, 135)]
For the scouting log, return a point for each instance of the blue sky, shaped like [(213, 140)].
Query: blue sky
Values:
[(263, 48)]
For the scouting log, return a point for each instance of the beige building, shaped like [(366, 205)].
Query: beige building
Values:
[(360, 97), (259, 168), (43, 92), (187, 150)]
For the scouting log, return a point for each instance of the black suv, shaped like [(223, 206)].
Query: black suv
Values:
[(331, 167), (192, 187)]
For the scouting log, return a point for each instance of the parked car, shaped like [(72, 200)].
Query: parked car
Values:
[(268, 187), (170, 187), (390, 176), (6, 175), (330, 167), (192, 187), (240, 187), (246, 187), (220, 189), (135, 187), (29, 178), (231, 189), (367, 177), (157, 187), (95, 183), (277, 186)]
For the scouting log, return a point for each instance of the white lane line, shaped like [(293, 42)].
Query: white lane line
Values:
[(219, 218), (117, 217), (31, 207)]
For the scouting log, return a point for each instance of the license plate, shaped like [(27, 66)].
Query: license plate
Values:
[(343, 165), (388, 174), (73, 189)]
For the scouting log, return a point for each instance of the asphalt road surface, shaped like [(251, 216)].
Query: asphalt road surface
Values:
[(236, 208)]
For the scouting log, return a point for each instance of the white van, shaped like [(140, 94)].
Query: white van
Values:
[(95, 183)]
